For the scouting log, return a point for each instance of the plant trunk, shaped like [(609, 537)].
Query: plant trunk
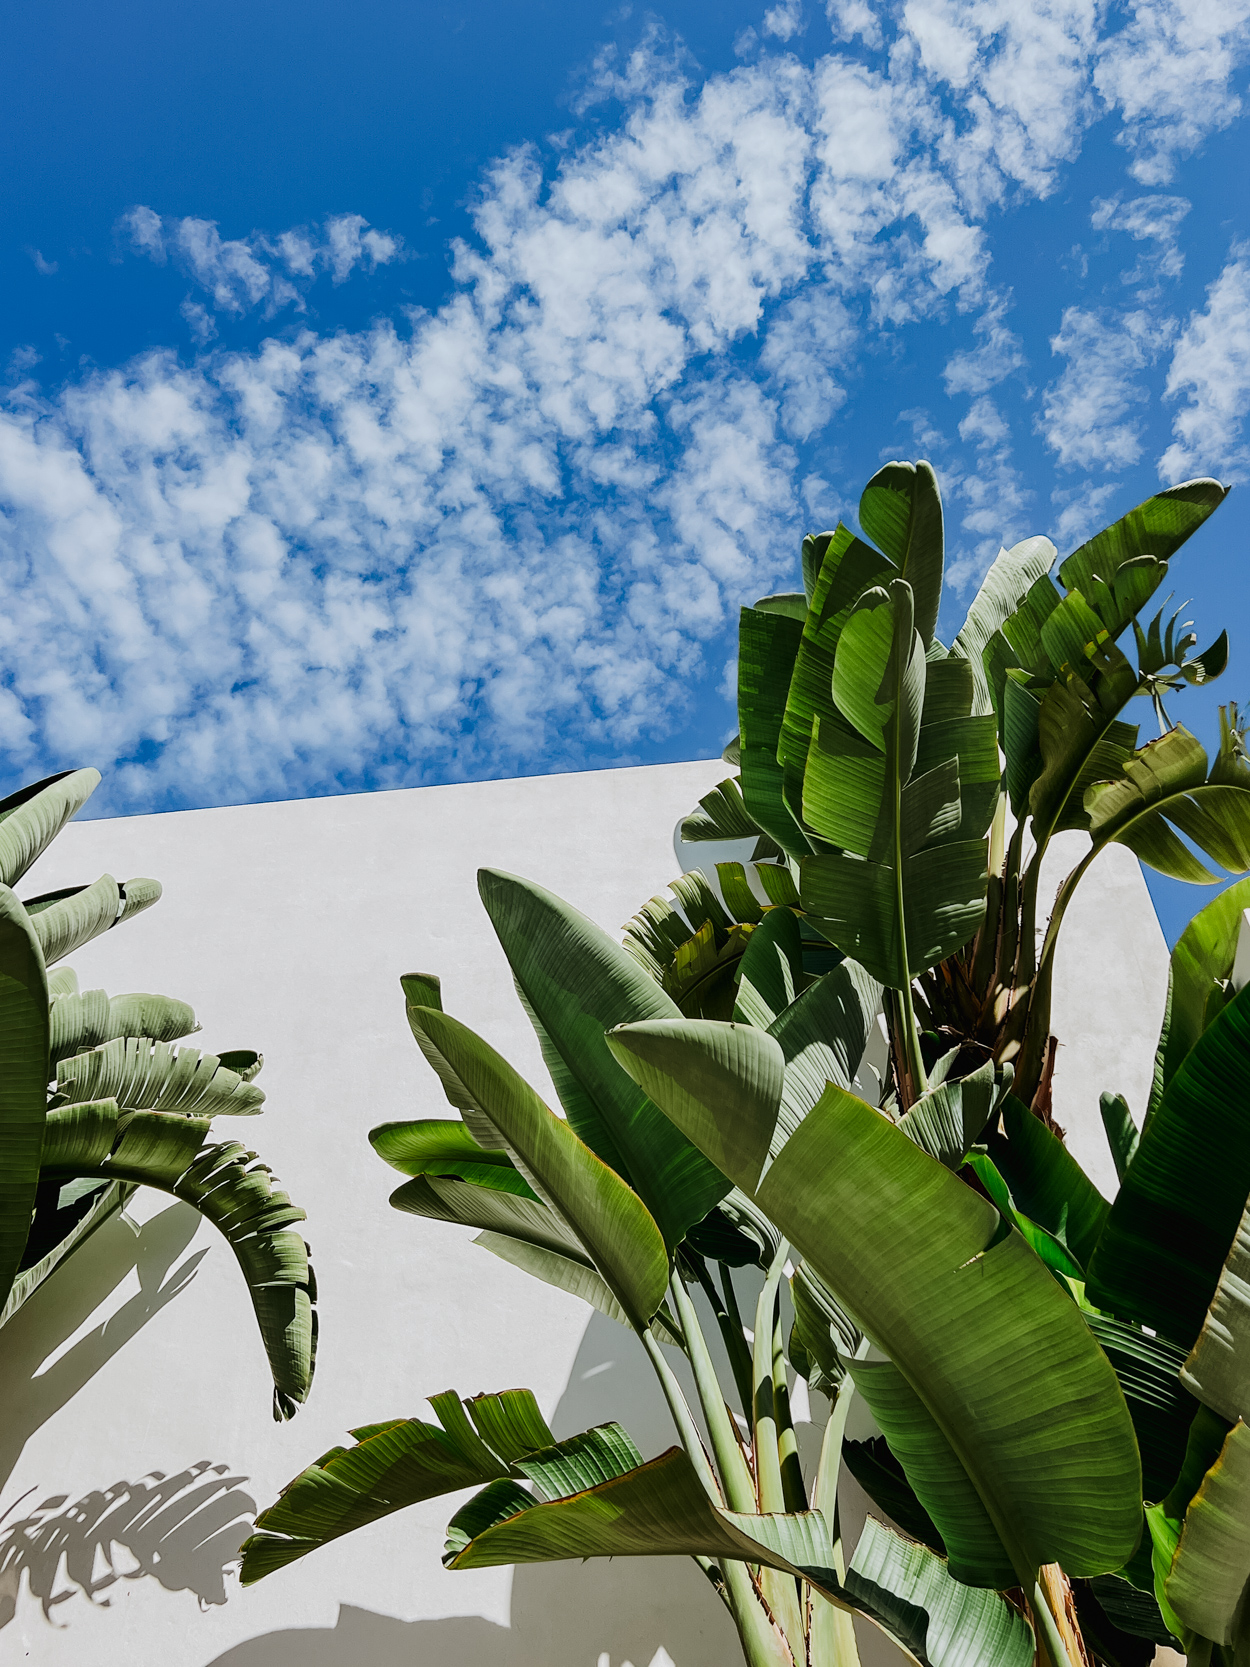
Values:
[(1055, 1587)]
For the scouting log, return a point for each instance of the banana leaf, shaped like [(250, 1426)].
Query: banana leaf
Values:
[(924, 1266), (1112, 570), (1001, 592), (933, 1616), (661, 1508), (23, 1078), (843, 568), (31, 818), (907, 884), (1207, 1582), (104, 1204), (142, 1075), (80, 1022), (395, 1464), (1161, 1409), (65, 920), (442, 1146), (1164, 790), (611, 1221), (1200, 964), (1046, 1181), (974, 1550), (1217, 1371), (1172, 1224), (229, 1188), (579, 984), (768, 647)]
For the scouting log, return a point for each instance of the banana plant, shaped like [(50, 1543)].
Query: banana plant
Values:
[(963, 1252), (615, 1204), (95, 1101), (879, 765)]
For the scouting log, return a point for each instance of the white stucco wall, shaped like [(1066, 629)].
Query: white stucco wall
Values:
[(135, 1393)]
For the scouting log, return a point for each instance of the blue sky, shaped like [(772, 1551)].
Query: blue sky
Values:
[(410, 393)]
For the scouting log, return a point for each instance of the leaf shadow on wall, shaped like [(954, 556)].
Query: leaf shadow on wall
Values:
[(31, 1394), (183, 1529)]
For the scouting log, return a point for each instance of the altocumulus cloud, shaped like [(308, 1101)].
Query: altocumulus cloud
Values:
[(506, 532)]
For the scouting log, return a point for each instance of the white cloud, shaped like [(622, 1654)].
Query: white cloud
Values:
[(1211, 367), (1154, 220), (45, 268), (239, 274), (1089, 415), (784, 20), (998, 353), (1081, 513), (1169, 73)]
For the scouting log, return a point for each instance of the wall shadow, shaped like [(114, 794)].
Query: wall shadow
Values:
[(29, 1396), (184, 1530)]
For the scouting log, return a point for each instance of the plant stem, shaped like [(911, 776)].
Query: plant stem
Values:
[(762, 1644), (683, 1418), (768, 1481), (787, 1443), (734, 1472), (1049, 1638), (730, 1323)]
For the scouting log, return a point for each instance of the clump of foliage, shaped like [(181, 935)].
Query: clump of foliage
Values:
[(96, 1102), (1049, 1451)]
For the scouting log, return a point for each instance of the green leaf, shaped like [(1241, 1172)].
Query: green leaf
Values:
[(856, 902), (423, 990), (442, 1146), (908, 884), (1046, 1181), (1201, 962), (1158, 527), (940, 1621), (1121, 1132), (768, 645), (151, 1076), (23, 1079), (722, 814), (922, 1264), (106, 1203), (1166, 783), (1218, 1368), (610, 1220), (31, 818), (230, 1189), (901, 510), (65, 920), (847, 568), (945, 1121), (580, 984), (490, 1209), (569, 1273), (1175, 1217), (1132, 1611), (724, 1090), (1161, 1410), (80, 1022), (1002, 591), (770, 973), (825, 1331), (655, 1510), (936, 1475), (823, 1036), (1211, 1568), (393, 1465)]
